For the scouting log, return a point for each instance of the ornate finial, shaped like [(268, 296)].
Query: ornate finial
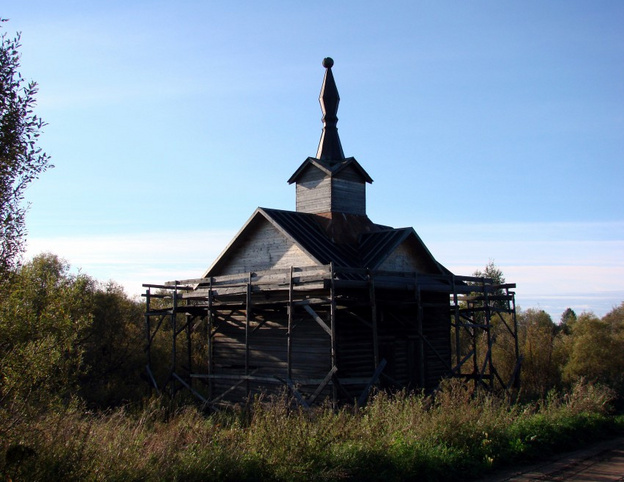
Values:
[(329, 147)]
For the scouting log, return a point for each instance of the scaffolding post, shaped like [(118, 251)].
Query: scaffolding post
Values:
[(289, 328), (333, 333)]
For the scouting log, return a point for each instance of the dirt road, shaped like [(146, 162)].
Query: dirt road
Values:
[(600, 462)]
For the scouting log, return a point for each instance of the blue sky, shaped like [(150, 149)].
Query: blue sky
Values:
[(495, 129)]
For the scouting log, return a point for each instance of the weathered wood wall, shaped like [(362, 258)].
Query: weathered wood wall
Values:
[(318, 193), (264, 248), (409, 256), (413, 361), (348, 192)]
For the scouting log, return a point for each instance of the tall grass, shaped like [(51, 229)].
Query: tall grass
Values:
[(457, 434)]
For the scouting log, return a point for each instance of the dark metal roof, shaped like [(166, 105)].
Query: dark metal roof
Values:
[(367, 247), (331, 168), (308, 233), (376, 246)]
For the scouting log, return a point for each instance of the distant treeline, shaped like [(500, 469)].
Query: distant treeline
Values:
[(67, 337)]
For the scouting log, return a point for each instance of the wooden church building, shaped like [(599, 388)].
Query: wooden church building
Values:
[(322, 301)]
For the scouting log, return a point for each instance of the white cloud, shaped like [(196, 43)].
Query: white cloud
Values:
[(132, 260), (555, 266)]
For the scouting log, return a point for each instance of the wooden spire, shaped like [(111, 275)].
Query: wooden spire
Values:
[(329, 148)]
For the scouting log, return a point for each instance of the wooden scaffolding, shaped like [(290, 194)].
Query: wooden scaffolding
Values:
[(325, 333)]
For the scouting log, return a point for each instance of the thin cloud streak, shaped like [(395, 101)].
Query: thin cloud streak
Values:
[(132, 260), (552, 267)]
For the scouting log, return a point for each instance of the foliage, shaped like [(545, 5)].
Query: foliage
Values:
[(455, 435), (44, 313), (21, 161), (596, 349), (568, 318), (492, 272), (113, 353), (536, 337), (64, 337)]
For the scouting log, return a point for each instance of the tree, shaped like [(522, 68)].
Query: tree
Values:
[(568, 318), (44, 314), (21, 160), (65, 336), (113, 359), (536, 337), (492, 272), (615, 319)]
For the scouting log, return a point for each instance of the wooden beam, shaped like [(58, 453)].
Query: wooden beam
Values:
[(190, 389), (232, 388), (209, 341), (332, 333), (290, 327), (457, 321), (359, 318), (295, 392), (323, 384), (461, 363), (318, 319), (247, 321), (371, 382), (373, 305), (421, 336), (152, 379)]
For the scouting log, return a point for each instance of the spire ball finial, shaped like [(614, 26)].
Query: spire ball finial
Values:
[(328, 62)]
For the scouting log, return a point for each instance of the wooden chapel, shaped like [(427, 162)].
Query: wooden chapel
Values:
[(323, 302)]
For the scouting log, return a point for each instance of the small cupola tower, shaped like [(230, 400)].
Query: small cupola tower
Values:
[(330, 183)]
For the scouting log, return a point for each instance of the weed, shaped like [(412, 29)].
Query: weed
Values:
[(457, 434)]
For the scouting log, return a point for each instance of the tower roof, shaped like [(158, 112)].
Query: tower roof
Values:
[(330, 157), (329, 148)]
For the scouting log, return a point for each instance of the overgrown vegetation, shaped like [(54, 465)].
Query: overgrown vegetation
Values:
[(453, 436)]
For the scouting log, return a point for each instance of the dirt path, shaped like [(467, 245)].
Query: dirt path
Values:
[(600, 462)]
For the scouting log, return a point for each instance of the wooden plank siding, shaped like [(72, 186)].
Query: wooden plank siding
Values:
[(317, 192), (408, 257), (355, 353), (313, 192), (265, 248), (348, 196)]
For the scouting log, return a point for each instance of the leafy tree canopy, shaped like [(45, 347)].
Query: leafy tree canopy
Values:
[(21, 160)]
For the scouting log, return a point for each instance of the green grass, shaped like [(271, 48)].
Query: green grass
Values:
[(456, 435)]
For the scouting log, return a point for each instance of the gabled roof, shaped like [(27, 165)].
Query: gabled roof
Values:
[(309, 232), (347, 238), (331, 168), (375, 247), (303, 229)]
